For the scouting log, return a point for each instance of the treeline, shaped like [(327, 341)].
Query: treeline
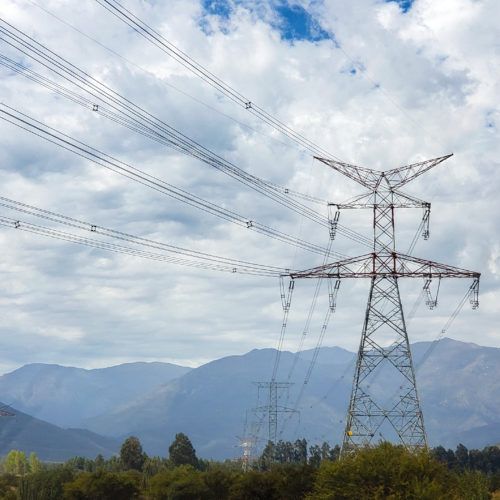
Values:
[(284, 471), (486, 460)]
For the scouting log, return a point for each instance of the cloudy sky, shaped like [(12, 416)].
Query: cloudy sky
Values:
[(377, 84)]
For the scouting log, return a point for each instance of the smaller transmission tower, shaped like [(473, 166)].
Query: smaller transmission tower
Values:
[(272, 408), (247, 444)]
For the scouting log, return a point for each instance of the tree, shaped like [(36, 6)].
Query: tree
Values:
[(387, 471), (315, 455), (219, 480), (46, 484), (267, 457), (8, 487), (16, 463), (99, 462), (181, 451), (182, 483), (131, 454), (300, 451), (152, 466), (34, 463), (254, 485), (103, 485), (473, 485), (462, 456)]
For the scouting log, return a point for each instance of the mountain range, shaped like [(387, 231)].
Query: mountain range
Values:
[(459, 385)]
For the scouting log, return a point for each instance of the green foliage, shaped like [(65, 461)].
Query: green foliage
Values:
[(131, 454), (99, 462), (319, 453), (34, 463), (45, 484), (182, 483), (16, 463), (254, 485), (384, 472), (103, 485), (294, 481), (81, 464), (473, 485), (8, 485), (181, 451), (286, 471), (153, 465), (219, 479)]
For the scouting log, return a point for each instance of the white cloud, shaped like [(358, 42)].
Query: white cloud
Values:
[(425, 84)]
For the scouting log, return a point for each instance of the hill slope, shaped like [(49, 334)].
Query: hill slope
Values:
[(459, 385), (49, 442), (66, 396)]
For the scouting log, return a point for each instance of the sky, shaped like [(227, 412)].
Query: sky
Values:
[(377, 84)]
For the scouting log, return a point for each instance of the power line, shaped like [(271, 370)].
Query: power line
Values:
[(81, 149), (163, 82), (132, 113), (158, 40), (234, 265), (126, 113)]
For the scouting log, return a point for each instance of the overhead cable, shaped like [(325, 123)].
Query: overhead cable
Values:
[(54, 136), (157, 39)]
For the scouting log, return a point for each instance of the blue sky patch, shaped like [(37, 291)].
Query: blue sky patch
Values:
[(295, 23), (292, 20), (221, 8), (404, 5)]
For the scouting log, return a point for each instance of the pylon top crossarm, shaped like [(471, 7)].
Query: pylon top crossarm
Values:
[(395, 178)]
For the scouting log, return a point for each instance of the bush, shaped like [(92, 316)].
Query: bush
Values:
[(45, 484), (386, 471), (103, 485), (181, 483)]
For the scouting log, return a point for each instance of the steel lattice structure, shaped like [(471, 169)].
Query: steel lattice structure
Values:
[(272, 408), (384, 340)]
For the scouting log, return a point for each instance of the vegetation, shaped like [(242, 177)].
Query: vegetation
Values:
[(284, 471)]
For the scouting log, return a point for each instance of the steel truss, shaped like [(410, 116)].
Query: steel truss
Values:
[(272, 408), (384, 348)]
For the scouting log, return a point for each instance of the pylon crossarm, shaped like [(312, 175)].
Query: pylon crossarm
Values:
[(385, 264), (340, 269), (399, 200), (395, 177), (365, 176), (412, 267), (398, 177)]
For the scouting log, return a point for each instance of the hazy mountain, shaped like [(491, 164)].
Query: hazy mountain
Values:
[(66, 396), (459, 385), (49, 442), (209, 404)]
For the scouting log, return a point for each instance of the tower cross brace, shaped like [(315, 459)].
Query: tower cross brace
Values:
[(384, 347)]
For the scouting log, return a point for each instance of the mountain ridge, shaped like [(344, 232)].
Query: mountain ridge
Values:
[(459, 385)]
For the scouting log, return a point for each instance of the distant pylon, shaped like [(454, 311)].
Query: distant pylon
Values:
[(247, 444), (273, 408), (384, 339)]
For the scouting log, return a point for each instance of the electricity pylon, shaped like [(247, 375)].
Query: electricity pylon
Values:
[(384, 339), (272, 408)]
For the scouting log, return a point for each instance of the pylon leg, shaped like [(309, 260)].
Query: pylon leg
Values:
[(384, 402)]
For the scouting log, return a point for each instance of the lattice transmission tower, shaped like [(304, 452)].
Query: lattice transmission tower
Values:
[(384, 348), (272, 408), (269, 407)]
